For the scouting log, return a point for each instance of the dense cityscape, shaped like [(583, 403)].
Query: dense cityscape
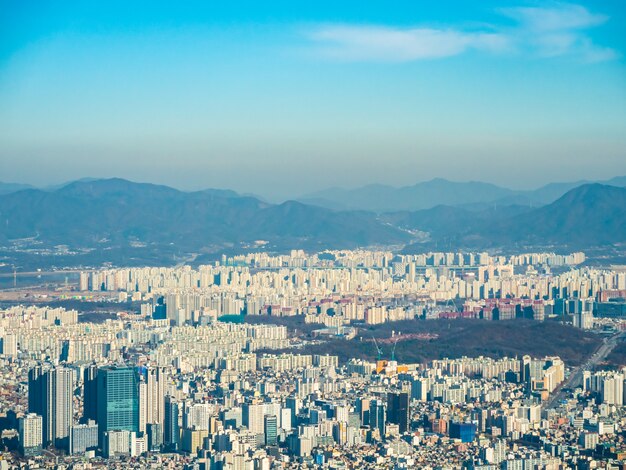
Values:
[(350, 235), (186, 381)]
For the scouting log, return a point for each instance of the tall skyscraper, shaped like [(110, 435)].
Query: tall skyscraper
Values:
[(90, 393), (59, 407), (378, 417), (143, 403), (171, 425), (36, 390), (155, 393), (151, 398), (118, 400), (50, 394), (398, 410)]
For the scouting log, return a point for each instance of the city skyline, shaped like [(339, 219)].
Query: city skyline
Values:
[(333, 235), (281, 101)]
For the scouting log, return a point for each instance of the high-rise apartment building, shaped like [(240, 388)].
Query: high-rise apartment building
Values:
[(83, 437), (50, 394), (31, 433), (90, 393), (253, 417)]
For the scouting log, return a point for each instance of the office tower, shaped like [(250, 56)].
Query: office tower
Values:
[(466, 432), (171, 431), (90, 393), (271, 430), (31, 434), (378, 417), (83, 437), (155, 436), (118, 401), (398, 410)]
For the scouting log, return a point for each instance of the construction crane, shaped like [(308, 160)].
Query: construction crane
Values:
[(454, 305), (380, 352), (393, 351)]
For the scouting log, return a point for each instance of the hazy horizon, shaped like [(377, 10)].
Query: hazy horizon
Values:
[(285, 197), (283, 100)]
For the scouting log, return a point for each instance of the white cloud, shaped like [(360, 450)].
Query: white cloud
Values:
[(557, 17), (393, 44), (559, 29)]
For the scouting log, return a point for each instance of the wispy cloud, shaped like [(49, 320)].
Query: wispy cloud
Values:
[(391, 44), (560, 29), (557, 17)]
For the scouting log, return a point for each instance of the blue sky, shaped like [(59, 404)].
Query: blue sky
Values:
[(281, 99)]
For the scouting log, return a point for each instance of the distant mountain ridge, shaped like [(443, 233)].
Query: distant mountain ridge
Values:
[(116, 211), (103, 216), (7, 188), (590, 215), (380, 198), (439, 191)]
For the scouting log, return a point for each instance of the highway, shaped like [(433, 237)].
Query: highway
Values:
[(576, 377)]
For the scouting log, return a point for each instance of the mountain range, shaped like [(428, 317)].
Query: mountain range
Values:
[(6, 188), (591, 215), (116, 211), (439, 191), (102, 216)]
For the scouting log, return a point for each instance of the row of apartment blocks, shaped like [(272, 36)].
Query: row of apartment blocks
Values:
[(438, 283), (35, 338), (382, 259)]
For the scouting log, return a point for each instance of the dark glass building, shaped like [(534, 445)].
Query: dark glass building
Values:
[(36, 390), (271, 430), (464, 431), (378, 415), (90, 394), (118, 400), (171, 431), (398, 410)]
